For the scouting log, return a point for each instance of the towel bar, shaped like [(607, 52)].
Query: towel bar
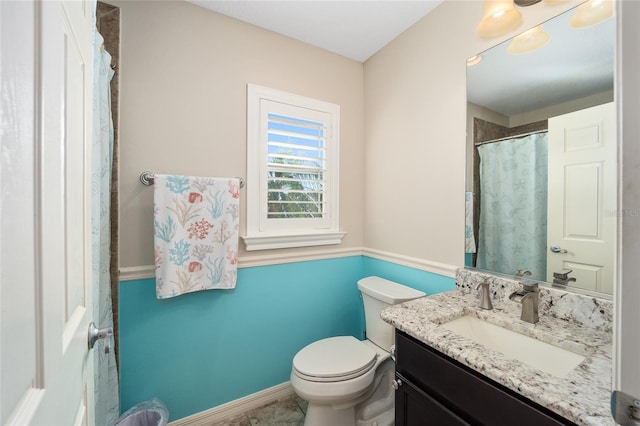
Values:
[(146, 178)]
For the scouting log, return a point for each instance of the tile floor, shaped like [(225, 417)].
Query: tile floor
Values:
[(286, 412)]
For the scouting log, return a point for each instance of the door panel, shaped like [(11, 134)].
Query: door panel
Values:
[(74, 96), (75, 194), (583, 190)]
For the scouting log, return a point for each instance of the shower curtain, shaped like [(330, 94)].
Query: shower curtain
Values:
[(513, 206), (106, 392)]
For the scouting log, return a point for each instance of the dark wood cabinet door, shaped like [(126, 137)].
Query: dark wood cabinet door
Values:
[(416, 408)]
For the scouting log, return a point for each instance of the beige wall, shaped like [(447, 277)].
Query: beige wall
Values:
[(563, 108), (403, 117), (183, 107), (415, 124)]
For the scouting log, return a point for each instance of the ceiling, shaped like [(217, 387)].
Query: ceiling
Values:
[(356, 29)]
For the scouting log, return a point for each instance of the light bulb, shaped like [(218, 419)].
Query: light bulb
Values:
[(528, 41), (500, 17), (591, 13), (473, 60)]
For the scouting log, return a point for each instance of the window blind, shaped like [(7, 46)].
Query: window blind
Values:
[(296, 167)]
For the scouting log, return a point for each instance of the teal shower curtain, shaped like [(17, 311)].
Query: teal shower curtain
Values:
[(512, 231), (106, 392)]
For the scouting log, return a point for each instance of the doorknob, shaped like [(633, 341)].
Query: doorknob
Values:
[(625, 409), (557, 249), (96, 334)]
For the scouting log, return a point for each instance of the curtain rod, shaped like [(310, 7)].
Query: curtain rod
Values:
[(510, 137)]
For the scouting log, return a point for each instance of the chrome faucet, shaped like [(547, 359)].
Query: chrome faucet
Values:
[(485, 296), (528, 297)]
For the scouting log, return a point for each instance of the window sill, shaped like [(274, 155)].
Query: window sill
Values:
[(268, 242)]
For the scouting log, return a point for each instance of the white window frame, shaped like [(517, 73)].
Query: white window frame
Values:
[(264, 233)]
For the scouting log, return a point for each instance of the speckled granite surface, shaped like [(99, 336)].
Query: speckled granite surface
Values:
[(577, 323), (589, 311)]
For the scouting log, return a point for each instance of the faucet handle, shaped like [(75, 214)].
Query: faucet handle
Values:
[(563, 275), (522, 272), (481, 283)]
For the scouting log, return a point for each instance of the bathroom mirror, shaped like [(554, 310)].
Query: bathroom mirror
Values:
[(517, 100)]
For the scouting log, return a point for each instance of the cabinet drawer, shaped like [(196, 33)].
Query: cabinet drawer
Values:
[(472, 396)]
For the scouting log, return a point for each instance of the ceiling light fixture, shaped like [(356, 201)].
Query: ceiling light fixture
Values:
[(499, 17), (474, 60), (529, 40), (591, 13)]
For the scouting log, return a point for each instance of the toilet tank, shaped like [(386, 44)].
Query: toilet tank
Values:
[(377, 294)]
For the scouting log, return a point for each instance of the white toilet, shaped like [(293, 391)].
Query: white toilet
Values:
[(346, 381)]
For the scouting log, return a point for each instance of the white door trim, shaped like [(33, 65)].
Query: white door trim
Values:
[(627, 290)]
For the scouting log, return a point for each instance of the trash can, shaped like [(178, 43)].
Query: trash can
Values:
[(148, 413)]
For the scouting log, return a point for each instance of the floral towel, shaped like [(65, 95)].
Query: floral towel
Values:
[(196, 233), (469, 239)]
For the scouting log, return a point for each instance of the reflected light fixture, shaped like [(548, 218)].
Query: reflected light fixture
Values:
[(529, 40), (591, 13), (474, 60), (499, 17)]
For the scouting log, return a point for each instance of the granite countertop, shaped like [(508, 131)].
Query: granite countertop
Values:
[(582, 396)]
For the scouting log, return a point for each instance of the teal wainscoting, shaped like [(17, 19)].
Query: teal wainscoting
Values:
[(203, 349), (200, 350), (428, 282)]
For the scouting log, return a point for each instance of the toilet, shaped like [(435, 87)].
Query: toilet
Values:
[(348, 382)]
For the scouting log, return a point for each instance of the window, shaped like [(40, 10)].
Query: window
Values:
[(292, 170)]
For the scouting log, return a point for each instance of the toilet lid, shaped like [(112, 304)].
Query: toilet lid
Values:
[(334, 359)]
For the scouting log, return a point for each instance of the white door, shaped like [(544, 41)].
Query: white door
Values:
[(581, 210), (46, 72)]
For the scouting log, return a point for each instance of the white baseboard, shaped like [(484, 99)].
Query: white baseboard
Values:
[(237, 407)]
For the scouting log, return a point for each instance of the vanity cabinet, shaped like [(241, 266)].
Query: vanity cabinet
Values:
[(438, 390)]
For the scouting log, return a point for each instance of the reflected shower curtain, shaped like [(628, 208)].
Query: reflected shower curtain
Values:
[(106, 392), (513, 206)]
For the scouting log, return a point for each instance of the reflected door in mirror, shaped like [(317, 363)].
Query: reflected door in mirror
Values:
[(582, 197)]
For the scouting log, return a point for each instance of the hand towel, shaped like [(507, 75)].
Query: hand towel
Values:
[(196, 233), (469, 239)]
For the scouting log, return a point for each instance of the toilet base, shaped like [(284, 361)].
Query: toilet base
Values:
[(374, 407), (323, 415), (388, 418), (378, 409)]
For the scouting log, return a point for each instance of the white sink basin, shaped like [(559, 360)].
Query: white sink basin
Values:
[(536, 353)]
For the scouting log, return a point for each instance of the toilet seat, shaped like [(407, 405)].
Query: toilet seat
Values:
[(334, 359)]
